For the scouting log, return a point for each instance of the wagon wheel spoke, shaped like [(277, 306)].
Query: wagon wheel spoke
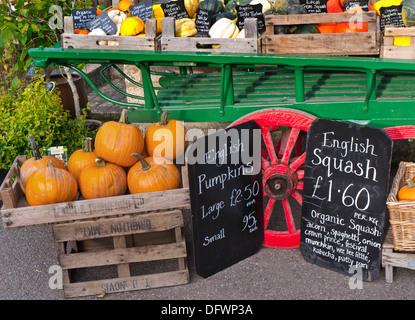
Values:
[(289, 216), (297, 196), (288, 141), (266, 135), (298, 162), (268, 211)]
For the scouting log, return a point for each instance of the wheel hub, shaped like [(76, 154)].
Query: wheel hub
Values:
[(279, 181)]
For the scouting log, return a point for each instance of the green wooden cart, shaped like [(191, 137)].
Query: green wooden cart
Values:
[(279, 92)]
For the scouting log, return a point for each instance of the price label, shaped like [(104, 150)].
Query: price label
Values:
[(344, 197)]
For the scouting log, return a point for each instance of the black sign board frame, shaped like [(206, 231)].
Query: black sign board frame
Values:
[(344, 210), (226, 200)]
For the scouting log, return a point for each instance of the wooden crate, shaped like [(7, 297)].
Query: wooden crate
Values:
[(16, 212), (250, 44), (150, 42), (389, 50), (391, 258), (355, 43), (117, 254)]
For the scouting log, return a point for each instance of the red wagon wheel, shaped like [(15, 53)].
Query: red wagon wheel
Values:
[(282, 130)]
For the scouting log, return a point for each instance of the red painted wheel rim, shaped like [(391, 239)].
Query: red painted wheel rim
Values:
[(282, 172)]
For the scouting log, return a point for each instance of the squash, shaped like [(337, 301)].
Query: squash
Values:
[(50, 185), (152, 174), (224, 28), (36, 162), (132, 26), (224, 14), (185, 27), (165, 138), (102, 179), (158, 14), (231, 5), (191, 7), (408, 13), (407, 192), (81, 158), (116, 141), (214, 6), (124, 5)]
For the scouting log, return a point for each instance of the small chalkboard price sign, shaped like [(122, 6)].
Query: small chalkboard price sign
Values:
[(203, 21), (175, 9), (363, 4), (314, 6), (142, 10), (250, 11), (104, 22), (391, 16), (226, 197), (344, 197), (82, 16)]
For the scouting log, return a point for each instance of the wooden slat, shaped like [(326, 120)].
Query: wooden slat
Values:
[(139, 223), (126, 255), (173, 278), (95, 208), (271, 20)]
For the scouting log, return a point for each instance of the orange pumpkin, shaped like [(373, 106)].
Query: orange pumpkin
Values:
[(81, 31), (152, 174), (81, 158), (166, 138), (36, 162), (346, 27), (333, 6), (50, 185), (116, 141), (102, 179), (407, 192), (328, 27), (124, 5)]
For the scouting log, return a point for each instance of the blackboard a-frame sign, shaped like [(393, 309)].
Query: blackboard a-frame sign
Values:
[(226, 197), (344, 210)]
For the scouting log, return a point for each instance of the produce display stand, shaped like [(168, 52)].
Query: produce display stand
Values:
[(121, 233), (389, 50), (352, 43), (250, 44)]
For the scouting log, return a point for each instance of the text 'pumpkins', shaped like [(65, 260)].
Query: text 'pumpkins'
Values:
[(116, 141)]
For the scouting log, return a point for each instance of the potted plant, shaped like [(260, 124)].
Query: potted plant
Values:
[(27, 24)]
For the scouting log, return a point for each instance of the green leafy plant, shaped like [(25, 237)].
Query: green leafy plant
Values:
[(33, 110), (27, 24)]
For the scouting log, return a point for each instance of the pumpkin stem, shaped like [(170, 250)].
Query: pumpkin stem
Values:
[(410, 183), (50, 164), (35, 148), (163, 118), (144, 164), (100, 162), (88, 144), (123, 118)]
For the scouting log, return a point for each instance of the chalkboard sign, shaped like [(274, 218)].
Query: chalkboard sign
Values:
[(250, 11), (175, 9), (104, 22), (349, 4), (314, 6), (203, 21), (82, 16), (391, 16), (142, 10), (344, 197), (226, 197)]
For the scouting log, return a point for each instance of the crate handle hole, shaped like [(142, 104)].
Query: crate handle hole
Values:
[(208, 46)]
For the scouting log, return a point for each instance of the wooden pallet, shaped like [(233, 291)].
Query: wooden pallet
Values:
[(131, 252), (77, 41), (16, 212), (389, 50), (355, 43), (250, 44), (392, 258)]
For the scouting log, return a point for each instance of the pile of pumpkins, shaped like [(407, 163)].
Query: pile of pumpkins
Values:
[(116, 166)]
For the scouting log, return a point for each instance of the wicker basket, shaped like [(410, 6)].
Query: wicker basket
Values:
[(402, 213)]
